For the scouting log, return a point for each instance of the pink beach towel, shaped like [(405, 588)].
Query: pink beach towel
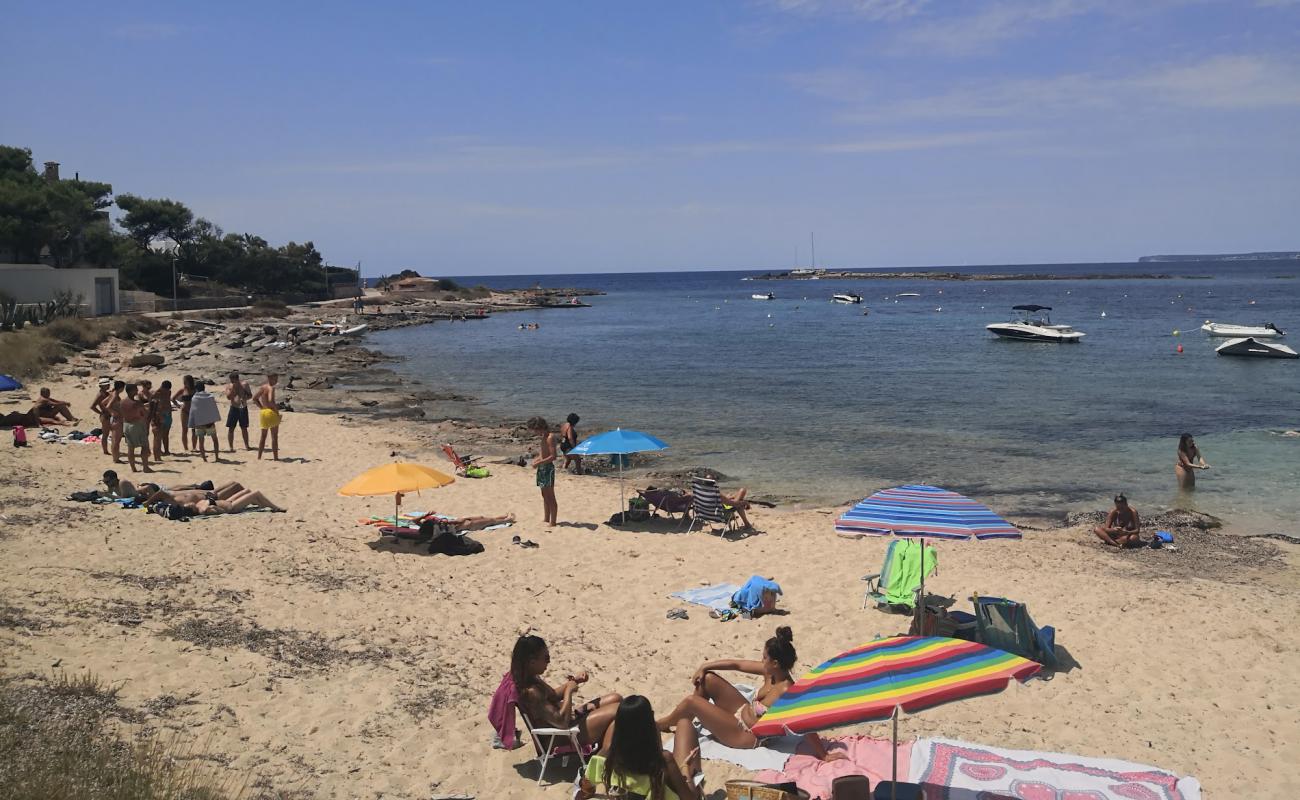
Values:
[(501, 712), (866, 756)]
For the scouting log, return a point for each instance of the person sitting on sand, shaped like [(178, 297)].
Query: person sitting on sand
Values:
[(1122, 527), (633, 759), (721, 707), (49, 409), (1189, 458), (549, 707)]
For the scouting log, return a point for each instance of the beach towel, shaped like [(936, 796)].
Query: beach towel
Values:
[(771, 754), (750, 596), (501, 713), (203, 410), (866, 756), (717, 596), (968, 770), (905, 572)]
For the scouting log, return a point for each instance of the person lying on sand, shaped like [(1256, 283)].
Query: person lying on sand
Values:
[(721, 707), (549, 707), (229, 498), (466, 523), (1123, 527)]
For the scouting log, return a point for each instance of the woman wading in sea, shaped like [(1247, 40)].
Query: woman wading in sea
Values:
[(1189, 459)]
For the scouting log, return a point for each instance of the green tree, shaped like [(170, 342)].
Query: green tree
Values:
[(151, 220)]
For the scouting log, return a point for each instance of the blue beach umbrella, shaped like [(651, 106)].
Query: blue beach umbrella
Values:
[(924, 512), (618, 442)]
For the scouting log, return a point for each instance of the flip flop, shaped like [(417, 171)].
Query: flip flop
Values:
[(528, 543)]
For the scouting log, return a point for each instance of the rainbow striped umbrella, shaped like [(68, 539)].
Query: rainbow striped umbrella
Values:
[(871, 682), (924, 512)]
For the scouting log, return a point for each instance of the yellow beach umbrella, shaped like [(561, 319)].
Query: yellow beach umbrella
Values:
[(396, 479)]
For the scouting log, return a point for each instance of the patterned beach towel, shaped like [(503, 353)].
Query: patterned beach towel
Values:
[(716, 597), (972, 770)]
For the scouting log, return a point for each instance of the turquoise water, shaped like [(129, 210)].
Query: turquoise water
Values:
[(800, 397)]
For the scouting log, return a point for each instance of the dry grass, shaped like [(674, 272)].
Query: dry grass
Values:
[(56, 741), (28, 353)]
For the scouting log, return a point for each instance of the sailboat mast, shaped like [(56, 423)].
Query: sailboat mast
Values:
[(812, 238)]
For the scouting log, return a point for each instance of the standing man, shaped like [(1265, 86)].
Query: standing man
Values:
[(545, 466), (238, 393), (145, 395), (100, 407), (135, 427), (269, 416)]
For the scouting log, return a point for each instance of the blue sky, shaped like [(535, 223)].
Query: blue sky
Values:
[(481, 138)]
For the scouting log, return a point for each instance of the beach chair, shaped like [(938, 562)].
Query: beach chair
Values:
[(881, 588), (1006, 625), (552, 742), (851, 787), (706, 505), (460, 463), (668, 501)]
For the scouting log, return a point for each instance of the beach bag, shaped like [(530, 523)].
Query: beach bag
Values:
[(477, 472), (753, 790), (449, 544), (20, 436)]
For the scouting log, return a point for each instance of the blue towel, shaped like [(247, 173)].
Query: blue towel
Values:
[(716, 597), (750, 595)]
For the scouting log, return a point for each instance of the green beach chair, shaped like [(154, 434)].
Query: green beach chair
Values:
[(895, 587)]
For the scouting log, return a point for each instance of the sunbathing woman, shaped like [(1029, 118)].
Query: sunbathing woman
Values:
[(554, 708), (721, 707), (229, 498), (466, 523), (633, 758)]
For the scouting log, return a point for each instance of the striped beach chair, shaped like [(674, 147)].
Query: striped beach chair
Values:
[(706, 504)]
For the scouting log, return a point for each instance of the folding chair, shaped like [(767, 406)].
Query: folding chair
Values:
[(461, 464), (552, 742), (668, 501), (1006, 625), (881, 585), (706, 504)]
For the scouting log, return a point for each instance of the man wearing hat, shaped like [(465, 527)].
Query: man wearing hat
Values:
[(100, 407)]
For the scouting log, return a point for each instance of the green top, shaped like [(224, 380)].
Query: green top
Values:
[(631, 783)]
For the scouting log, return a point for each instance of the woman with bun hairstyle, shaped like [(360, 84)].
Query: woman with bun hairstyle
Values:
[(721, 707)]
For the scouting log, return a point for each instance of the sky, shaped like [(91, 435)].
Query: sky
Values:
[(481, 138)]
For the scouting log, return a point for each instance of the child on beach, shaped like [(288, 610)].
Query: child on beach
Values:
[(545, 466)]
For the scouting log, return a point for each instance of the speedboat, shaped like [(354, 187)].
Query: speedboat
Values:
[(768, 296), (908, 294), (847, 298), (1033, 325), (1267, 331), (1249, 346)]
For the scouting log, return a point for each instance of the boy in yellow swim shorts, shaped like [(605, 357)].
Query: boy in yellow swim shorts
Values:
[(269, 416)]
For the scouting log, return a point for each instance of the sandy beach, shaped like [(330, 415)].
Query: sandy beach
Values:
[(309, 658)]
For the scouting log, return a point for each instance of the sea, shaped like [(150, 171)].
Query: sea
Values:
[(818, 403)]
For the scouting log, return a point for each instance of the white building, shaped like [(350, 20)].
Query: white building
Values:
[(37, 283)]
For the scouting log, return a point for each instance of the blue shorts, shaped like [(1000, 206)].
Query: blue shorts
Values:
[(237, 416)]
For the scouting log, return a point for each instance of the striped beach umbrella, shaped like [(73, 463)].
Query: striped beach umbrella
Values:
[(924, 512), (874, 681)]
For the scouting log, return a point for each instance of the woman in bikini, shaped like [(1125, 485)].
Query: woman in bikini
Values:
[(633, 759), (1189, 459), (183, 396), (549, 707), (568, 441), (721, 707)]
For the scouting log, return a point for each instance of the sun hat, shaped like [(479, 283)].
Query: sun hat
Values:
[(105, 382)]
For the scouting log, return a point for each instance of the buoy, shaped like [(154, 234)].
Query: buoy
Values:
[(1175, 331), (1252, 302), (769, 316), (1180, 348)]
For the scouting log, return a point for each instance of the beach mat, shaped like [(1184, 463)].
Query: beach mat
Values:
[(863, 756), (716, 597), (951, 769)]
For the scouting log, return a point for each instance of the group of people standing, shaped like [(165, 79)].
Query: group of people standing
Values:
[(142, 416)]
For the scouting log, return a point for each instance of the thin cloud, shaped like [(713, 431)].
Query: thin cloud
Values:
[(147, 31), (992, 25), (924, 142), (873, 10)]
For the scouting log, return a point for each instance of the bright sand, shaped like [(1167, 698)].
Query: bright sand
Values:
[(1193, 675)]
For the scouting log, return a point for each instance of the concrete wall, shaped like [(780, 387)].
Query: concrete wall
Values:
[(34, 283)]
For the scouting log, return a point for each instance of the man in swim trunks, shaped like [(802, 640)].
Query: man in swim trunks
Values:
[(100, 407), (545, 466), (49, 409), (1122, 527), (135, 427), (238, 393), (269, 416)]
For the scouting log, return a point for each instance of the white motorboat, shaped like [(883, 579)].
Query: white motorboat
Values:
[(847, 298), (355, 329), (1033, 324), (908, 294), (1249, 346), (1267, 331), (768, 296)]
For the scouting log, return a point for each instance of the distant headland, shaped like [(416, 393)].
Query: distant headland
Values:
[(1281, 255)]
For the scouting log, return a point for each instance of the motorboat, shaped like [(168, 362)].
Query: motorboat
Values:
[(768, 296), (1249, 346), (847, 298), (908, 294), (1033, 324), (1267, 331)]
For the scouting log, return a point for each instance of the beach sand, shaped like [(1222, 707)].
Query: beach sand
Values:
[(371, 667)]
